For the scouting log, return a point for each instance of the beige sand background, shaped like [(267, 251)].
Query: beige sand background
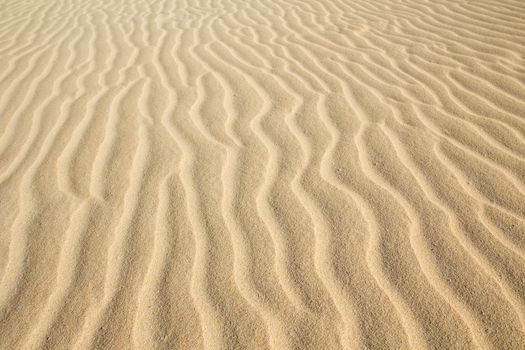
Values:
[(252, 174)]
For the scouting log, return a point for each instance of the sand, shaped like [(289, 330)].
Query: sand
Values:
[(253, 174)]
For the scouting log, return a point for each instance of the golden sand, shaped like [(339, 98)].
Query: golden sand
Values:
[(252, 174)]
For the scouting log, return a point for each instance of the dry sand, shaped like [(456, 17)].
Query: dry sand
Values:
[(252, 174)]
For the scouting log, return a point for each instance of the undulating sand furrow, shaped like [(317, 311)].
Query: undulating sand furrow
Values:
[(286, 174), (280, 144), (257, 281)]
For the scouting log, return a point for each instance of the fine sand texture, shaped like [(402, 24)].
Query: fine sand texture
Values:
[(256, 174)]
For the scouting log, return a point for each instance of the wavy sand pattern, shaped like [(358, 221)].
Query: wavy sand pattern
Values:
[(232, 174)]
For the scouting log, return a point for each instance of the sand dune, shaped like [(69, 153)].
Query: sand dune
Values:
[(228, 174)]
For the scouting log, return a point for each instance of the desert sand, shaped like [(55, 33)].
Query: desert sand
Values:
[(254, 174)]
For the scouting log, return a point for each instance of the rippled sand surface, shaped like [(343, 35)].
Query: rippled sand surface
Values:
[(253, 174)]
